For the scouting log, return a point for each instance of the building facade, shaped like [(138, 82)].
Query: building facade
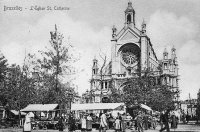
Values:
[(131, 52), (189, 107)]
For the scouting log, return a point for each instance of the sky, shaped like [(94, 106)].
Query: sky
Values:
[(87, 26)]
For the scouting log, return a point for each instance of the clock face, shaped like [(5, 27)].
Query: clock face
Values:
[(129, 55)]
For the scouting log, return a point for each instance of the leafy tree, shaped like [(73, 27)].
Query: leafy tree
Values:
[(145, 90), (3, 72), (56, 62), (19, 88)]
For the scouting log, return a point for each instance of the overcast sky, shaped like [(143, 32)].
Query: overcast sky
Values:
[(88, 24)]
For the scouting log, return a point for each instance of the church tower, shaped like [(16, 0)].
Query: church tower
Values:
[(132, 55), (130, 15)]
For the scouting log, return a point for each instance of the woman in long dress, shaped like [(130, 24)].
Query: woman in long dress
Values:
[(27, 124), (117, 125), (89, 122), (83, 123)]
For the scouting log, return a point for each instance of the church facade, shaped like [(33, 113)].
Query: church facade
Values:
[(131, 52)]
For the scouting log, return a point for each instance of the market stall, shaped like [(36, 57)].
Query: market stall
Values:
[(44, 115), (96, 109)]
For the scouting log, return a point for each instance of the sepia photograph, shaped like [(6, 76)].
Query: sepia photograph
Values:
[(99, 65)]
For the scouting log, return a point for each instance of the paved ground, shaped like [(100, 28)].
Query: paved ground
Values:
[(181, 128)]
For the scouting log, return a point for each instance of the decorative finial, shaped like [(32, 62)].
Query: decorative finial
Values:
[(143, 27), (114, 29)]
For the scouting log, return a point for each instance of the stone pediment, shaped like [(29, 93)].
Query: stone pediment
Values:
[(128, 35)]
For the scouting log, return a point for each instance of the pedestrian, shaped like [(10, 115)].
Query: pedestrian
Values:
[(100, 128), (89, 122), (110, 121), (145, 118), (153, 122), (123, 122), (187, 117), (139, 121), (117, 124), (128, 119), (173, 120), (72, 122), (120, 118), (161, 119), (27, 123), (83, 123), (165, 121), (184, 117), (103, 121), (60, 124)]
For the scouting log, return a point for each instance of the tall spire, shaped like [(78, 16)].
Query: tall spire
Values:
[(55, 28)]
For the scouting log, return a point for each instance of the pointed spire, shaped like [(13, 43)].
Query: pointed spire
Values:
[(173, 49), (165, 54), (55, 28), (95, 58), (165, 50)]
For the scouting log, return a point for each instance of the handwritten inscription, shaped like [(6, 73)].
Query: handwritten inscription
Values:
[(35, 8)]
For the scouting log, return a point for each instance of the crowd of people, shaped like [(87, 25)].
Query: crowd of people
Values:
[(140, 122)]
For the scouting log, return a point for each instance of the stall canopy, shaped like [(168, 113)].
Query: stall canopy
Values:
[(17, 112), (97, 106), (145, 107), (40, 107)]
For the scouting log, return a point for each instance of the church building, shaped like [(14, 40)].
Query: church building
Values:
[(131, 52)]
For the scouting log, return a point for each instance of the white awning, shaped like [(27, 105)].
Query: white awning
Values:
[(40, 107), (145, 107), (17, 112), (96, 106)]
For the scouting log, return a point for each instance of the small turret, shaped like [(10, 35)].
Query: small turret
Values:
[(173, 52), (95, 67), (165, 54)]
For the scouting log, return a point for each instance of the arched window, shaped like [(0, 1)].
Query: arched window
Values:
[(106, 85), (165, 66), (129, 18)]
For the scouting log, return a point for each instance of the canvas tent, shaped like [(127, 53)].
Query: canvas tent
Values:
[(40, 107), (145, 107), (17, 112), (97, 106)]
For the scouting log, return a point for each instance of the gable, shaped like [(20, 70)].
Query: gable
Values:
[(128, 35)]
